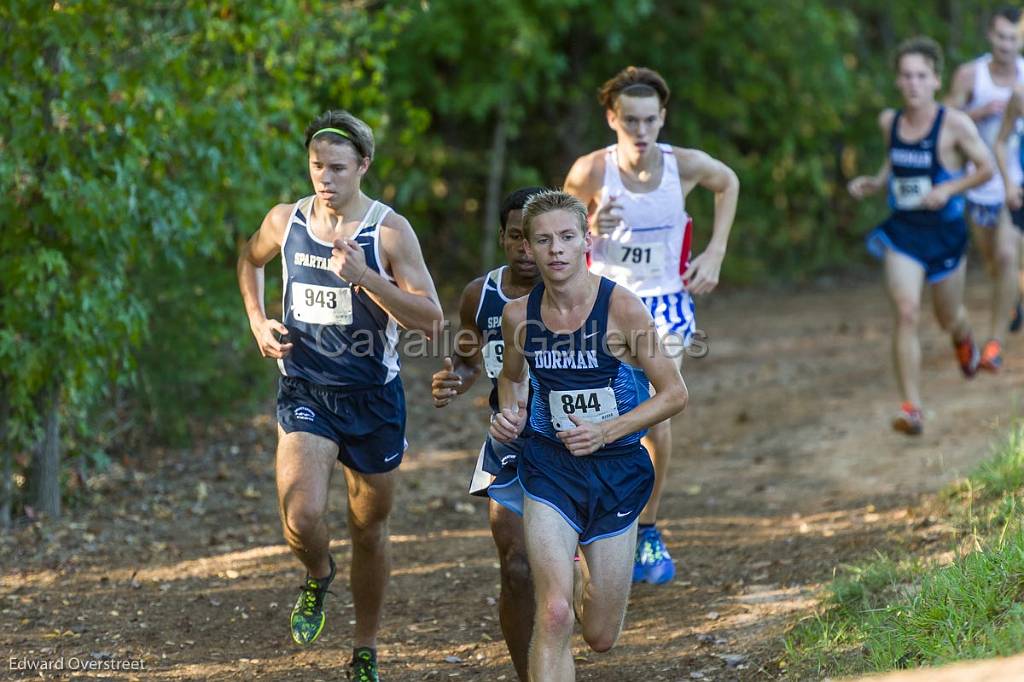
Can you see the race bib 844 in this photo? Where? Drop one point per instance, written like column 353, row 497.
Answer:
column 590, row 404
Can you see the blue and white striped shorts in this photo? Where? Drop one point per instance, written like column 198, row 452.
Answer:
column 673, row 314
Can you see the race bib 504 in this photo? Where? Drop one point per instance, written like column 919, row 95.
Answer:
column 908, row 192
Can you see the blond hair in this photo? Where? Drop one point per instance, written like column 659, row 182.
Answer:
column 553, row 200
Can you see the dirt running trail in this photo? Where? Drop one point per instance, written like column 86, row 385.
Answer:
column 784, row 468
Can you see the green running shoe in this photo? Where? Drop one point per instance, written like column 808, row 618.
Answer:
column 308, row 615
column 363, row 667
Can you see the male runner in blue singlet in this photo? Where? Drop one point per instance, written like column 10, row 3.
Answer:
column 925, row 238
column 583, row 472
column 479, row 345
column 353, row 273
column 636, row 193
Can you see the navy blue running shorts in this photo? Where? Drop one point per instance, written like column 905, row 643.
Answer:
column 938, row 249
column 496, row 464
column 599, row 495
column 368, row 424
column 1017, row 218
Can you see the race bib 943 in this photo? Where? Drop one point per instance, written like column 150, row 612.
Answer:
column 316, row 304
column 590, row 404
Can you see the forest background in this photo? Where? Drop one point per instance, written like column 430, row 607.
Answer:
column 142, row 142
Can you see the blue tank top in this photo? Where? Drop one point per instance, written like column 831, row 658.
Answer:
column 1020, row 144
column 340, row 336
column 916, row 168
column 575, row 373
column 488, row 321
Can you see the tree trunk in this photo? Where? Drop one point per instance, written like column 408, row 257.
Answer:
column 573, row 126
column 6, row 457
column 955, row 18
column 495, row 176
column 46, row 471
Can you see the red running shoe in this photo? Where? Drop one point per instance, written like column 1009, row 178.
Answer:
column 967, row 355
column 910, row 420
column 991, row 356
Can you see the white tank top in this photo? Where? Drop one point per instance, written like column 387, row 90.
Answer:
column 985, row 91
column 649, row 250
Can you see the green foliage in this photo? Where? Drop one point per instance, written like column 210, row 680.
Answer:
column 969, row 609
column 142, row 142
column 1003, row 475
column 787, row 94
column 831, row 641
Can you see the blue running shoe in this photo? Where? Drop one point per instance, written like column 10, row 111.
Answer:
column 652, row 563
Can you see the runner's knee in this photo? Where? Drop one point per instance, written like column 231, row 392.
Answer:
column 602, row 640
column 368, row 533
column 908, row 312
column 300, row 520
column 1005, row 257
column 507, row 530
column 555, row 616
column 368, row 512
column 515, row 572
column 950, row 318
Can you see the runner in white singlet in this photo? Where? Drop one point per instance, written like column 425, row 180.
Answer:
column 649, row 249
column 982, row 88
column 635, row 192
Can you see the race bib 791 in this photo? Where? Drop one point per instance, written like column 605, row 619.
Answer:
column 644, row 261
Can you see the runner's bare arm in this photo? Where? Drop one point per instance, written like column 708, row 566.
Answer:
column 973, row 148
column 460, row 372
column 697, row 168
column 961, row 89
column 1014, row 110
column 867, row 185
column 264, row 244
column 584, row 181
column 961, row 86
column 513, row 382
column 411, row 299
column 631, row 333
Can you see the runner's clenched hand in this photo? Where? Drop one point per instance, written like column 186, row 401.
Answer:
column 270, row 347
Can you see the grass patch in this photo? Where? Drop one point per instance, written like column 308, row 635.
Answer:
column 887, row 613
